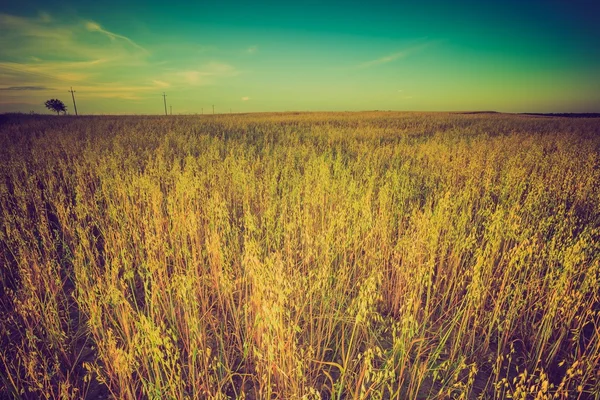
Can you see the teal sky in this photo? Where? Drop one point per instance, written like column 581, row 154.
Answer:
column 120, row 56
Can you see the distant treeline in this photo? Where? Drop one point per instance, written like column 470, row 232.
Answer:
column 567, row 115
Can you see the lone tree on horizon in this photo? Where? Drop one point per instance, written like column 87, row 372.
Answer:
column 56, row 105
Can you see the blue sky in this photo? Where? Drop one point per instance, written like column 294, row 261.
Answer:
column 275, row 56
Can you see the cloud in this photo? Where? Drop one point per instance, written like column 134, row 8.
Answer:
column 51, row 71
column 40, row 53
column 11, row 26
column 51, row 53
column 26, row 88
column 252, row 49
column 245, row 98
column 24, row 40
column 191, row 77
column 95, row 27
column 160, row 83
column 383, row 60
column 394, row 56
column 206, row 74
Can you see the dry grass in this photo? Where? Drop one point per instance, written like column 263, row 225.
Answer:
column 373, row 255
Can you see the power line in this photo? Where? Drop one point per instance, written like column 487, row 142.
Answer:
column 165, row 99
column 73, row 96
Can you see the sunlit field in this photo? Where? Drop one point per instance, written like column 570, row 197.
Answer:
column 354, row 256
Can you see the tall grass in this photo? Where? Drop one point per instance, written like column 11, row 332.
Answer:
column 373, row 255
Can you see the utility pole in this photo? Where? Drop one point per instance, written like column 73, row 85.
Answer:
column 165, row 99
column 230, row 111
column 213, row 109
column 73, row 96
column 171, row 110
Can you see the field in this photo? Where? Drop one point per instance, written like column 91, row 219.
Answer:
column 341, row 255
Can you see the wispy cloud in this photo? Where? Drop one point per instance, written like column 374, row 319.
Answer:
column 116, row 91
column 205, row 74
column 32, row 27
column 40, row 53
column 394, row 56
column 37, row 73
column 252, row 49
column 383, row 60
column 245, row 98
column 95, row 27
column 161, row 84
column 48, row 48
column 26, row 88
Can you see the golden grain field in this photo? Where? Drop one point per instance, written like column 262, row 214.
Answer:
column 289, row 256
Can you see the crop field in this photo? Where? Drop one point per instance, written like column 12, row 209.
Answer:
column 301, row 255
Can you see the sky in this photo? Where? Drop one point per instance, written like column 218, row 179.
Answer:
column 254, row 56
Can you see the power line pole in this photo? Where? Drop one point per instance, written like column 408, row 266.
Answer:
column 165, row 99
column 171, row 110
column 213, row 109
column 73, row 96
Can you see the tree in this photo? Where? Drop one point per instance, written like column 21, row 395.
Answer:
column 56, row 105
